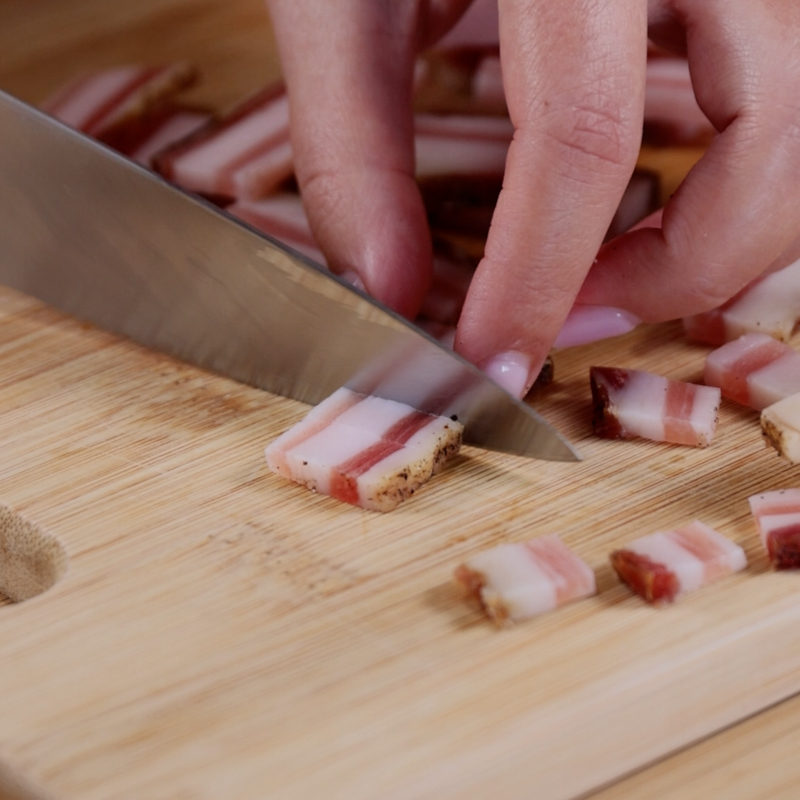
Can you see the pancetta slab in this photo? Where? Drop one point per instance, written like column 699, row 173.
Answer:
column 96, row 102
column 246, row 155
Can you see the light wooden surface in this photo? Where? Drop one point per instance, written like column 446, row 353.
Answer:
column 220, row 633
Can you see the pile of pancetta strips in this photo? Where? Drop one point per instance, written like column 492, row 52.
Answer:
column 375, row 453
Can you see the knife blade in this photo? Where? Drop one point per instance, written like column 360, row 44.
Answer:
column 107, row 241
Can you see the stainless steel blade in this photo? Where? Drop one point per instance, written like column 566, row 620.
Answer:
column 105, row 240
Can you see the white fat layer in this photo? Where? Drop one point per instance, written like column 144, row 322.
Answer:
column 264, row 173
column 199, row 167
column 440, row 155
column 640, row 404
column 731, row 559
column 775, row 381
column 658, row 547
column 311, row 462
column 783, row 418
column 374, row 414
column 705, row 410
column 465, row 126
column 97, row 91
column 774, row 522
column 718, row 362
column 513, row 577
column 579, row 579
column 781, row 501
column 285, row 207
column 772, row 305
column 319, row 416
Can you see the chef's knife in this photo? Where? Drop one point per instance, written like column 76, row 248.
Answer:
column 107, row 241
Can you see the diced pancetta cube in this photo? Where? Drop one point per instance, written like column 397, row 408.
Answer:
column 770, row 304
column 246, row 155
column 777, row 517
column 363, row 450
column 518, row 581
column 754, row 370
column 780, row 424
column 283, row 217
column 630, row 403
column 663, row 565
column 96, row 102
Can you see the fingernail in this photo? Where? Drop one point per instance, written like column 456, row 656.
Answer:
column 586, row 323
column 510, row 370
column 353, row 279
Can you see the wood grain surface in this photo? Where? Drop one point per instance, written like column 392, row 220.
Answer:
column 222, row 633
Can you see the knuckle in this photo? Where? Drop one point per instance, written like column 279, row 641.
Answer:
column 593, row 133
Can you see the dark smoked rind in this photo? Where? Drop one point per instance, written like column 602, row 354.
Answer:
column 783, row 547
column 650, row 580
column 604, row 418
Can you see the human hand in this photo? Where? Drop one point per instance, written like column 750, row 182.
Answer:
column 737, row 214
column 574, row 79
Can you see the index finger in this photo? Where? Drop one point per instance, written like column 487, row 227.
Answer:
column 573, row 72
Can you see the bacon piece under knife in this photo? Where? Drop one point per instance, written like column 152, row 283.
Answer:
column 517, row 581
column 363, row 450
column 777, row 517
column 770, row 304
column 663, row 565
column 246, row 155
column 631, row 403
column 754, row 370
column 96, row 102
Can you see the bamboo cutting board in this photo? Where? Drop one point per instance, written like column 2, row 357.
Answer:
column 221, row 633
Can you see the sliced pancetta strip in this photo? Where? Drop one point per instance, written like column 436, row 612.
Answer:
column 777, row 517
column 283, row 217
column 642, row 197
column 366, row 451
column 780, row 424
column 94, row 103
column 142, row 138
column 487, row 83
column 671, row 113
column 754, row 370
column 663, row 565
column 459, row 145
column 246, row 155
column 518, row 581
column 630, row 403
column 770, row 304
column 452, row 274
